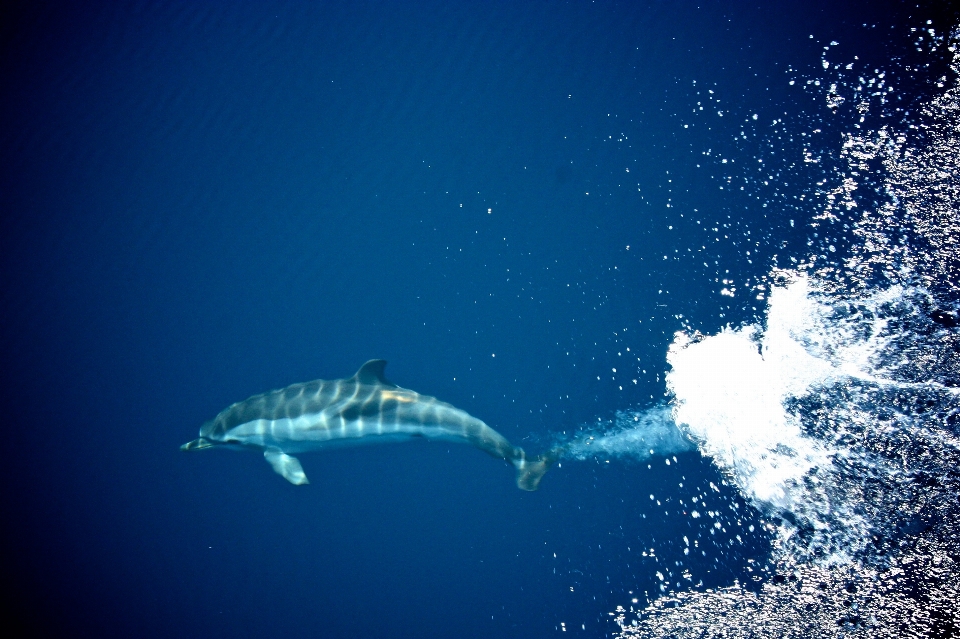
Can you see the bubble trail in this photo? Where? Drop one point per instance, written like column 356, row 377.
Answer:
column 636, row 434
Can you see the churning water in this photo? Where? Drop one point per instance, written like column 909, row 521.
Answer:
column 836, row 416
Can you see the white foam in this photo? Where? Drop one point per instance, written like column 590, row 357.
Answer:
column 730, row 398
column 736, row 395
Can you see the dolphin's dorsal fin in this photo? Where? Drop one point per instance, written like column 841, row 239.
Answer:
column 372, row 373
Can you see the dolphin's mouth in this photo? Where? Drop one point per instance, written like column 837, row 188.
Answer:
column 197, row 444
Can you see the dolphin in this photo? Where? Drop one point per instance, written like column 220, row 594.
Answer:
column 365, row 408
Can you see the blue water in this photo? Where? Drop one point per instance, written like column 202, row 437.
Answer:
column 201, row 202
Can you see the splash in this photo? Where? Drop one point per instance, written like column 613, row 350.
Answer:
column 838, row 416
column 730, row 390
column 747, row 396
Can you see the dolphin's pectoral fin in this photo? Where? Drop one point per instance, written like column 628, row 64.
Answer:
column 286, row 466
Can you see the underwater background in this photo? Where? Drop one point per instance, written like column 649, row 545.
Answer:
column 709, row 247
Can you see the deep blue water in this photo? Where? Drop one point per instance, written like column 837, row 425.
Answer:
column 204, row 202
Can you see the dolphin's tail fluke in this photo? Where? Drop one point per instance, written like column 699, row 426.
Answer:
column 529, row 473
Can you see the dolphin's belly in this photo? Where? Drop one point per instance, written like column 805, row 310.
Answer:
column 315, row 432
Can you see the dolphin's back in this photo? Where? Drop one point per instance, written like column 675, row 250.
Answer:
column 329, row 404
column 291, row 402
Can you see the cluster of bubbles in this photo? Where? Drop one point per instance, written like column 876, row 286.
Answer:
column 633, row 434
column 838, row 415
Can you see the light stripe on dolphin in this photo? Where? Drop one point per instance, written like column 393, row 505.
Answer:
column 365, row 408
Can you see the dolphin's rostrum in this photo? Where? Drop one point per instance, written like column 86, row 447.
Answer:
column 365, row 408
